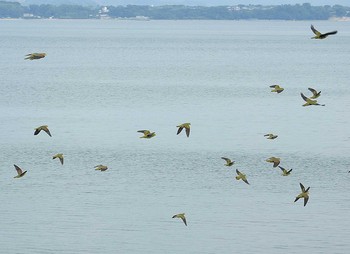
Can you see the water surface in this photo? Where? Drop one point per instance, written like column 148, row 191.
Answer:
column 103, row 80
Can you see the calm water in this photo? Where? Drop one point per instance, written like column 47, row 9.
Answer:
column 103, row 80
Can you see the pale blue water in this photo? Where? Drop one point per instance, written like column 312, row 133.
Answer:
column 103, row 80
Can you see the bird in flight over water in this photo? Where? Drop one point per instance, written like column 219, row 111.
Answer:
column 319, row 35
column 285, row 172
column 309, row 101
column 147, row 134
column 60, row 156
column 229, row 163
column 187, row 128
column 277, row 89
column 270, row 136
column 101, row 167
column 42, row 128
column 315, row 94
column 276, row 161
column 34, row 56
column 304, row 194
column 20, row 172
column 181, row 216
column 241, row 176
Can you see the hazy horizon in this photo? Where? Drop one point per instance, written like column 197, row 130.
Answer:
column 183, row 2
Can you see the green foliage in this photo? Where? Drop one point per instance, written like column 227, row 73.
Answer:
column 11, row 10
column 62, row 11
column 280, row 12
column 128, row 11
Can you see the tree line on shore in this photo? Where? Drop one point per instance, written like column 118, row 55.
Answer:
column 171, row 12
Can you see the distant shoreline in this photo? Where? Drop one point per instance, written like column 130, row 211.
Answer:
column 14, row 10
column 335, row 19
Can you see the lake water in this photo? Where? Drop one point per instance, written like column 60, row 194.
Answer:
column 101, row 81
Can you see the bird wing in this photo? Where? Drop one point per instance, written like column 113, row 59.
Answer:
column 245, row 180
column 29, row 56
column 304, row 97
column 313, row 91
column 330, row 33
column 145, row 132
column 289, row 170
column 19, row 170
column 61, row 159
column 302, row 187
column 188, row 131
column 47, row 131
column 315, row 31
column 283, row 169
column 271, row 159
column 184, row 220
column 305, row 200
column 37, row 131
column 296, row 199
column 276, row 163
column 275, row 86
column 179, row 130
column 226, row 159
column 238, row 173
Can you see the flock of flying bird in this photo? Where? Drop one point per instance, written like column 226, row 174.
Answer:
column 147, row 134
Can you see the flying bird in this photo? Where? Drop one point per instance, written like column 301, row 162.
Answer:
column 181, row 216
column 277, row 89
column 187, row 128
column 276, row 161
column 42, row 128
column 319, row 35
column 241, row 176
column 315, row 94
column 229, row 163
column 34, row 56
column 147, row 134
column 20, row 172
column 285, row 172
column 309, row 101
column 270, row 136
column 101, row 167
column 304, row 194
column 60, row 156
